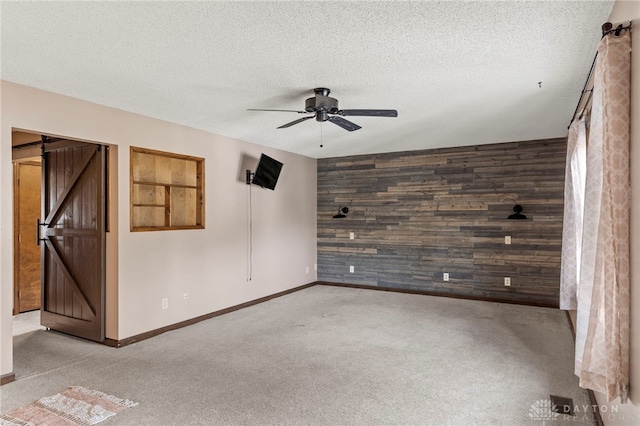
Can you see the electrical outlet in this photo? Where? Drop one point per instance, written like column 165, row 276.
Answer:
column 352, row 235
column 351, row 269
column 315, row 266
column 507, row 281
column 165, row 303
column 445, row 276
column 307, row 269
column 507, row 239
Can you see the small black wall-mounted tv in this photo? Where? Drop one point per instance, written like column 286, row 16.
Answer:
column 267, row 172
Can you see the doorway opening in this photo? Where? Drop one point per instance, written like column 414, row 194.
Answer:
column 27, row 189
column 61, row 220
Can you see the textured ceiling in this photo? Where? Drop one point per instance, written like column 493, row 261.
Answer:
column 459, row 73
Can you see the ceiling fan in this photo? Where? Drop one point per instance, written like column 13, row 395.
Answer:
column 325, row 108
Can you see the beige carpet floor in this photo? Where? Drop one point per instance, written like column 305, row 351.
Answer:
column 26, row 322
column 324, row 356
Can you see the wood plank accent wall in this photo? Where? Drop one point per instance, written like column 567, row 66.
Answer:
column 419, row 214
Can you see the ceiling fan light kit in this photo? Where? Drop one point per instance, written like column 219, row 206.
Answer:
column 325, row 108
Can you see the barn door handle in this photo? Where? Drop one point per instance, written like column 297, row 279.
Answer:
column 38, row 225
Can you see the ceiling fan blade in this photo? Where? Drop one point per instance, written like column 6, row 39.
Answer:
column 345, row 124
column 369, row 112
column 277, row 110
column 300, row 120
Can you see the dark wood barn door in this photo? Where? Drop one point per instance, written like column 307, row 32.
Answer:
column 73, row 238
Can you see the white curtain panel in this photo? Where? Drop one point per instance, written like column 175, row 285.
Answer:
column 602, row 329
column 574, row 187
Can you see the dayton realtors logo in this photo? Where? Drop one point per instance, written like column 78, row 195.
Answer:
column 543, row 410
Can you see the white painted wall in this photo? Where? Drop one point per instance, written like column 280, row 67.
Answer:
column 210, row 264
column 629, row 414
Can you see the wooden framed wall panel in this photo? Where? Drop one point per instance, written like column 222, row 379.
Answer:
column 167, row 191
column 419, row 214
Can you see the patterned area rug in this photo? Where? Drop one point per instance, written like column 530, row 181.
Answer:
column 72, row 407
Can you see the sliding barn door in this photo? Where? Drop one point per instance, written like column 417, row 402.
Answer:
column 72, row 238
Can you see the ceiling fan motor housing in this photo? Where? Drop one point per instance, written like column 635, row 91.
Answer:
column 321, row 103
